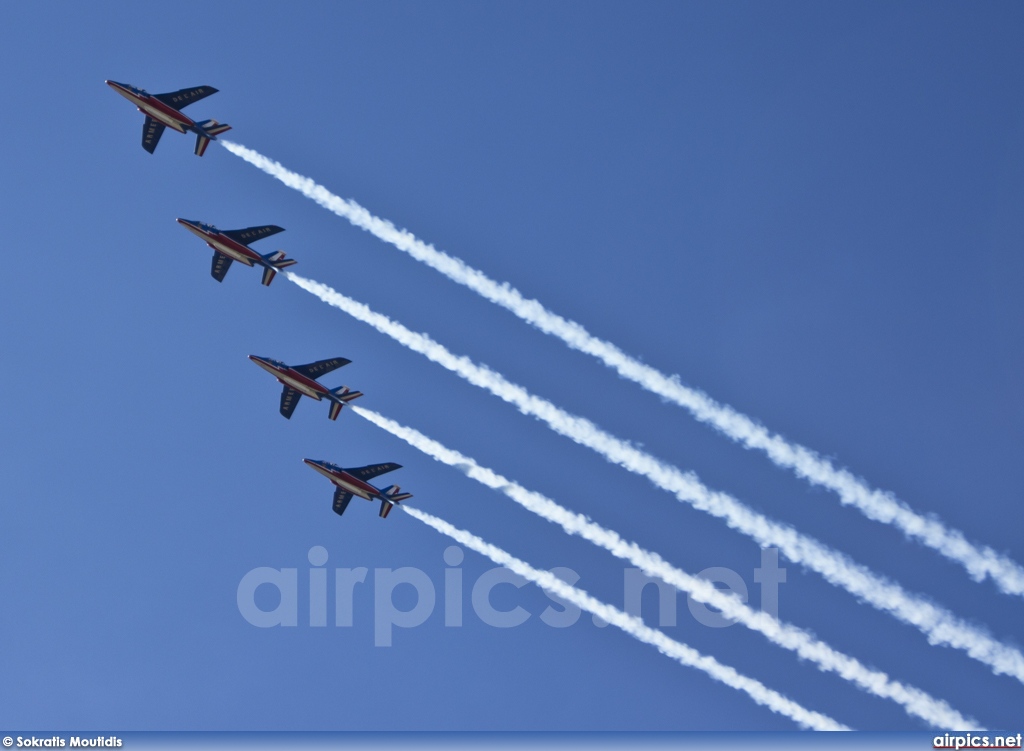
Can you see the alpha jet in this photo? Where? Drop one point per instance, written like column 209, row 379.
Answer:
column 233, row 245
column 300, row 380
column 164, row 110
column 350, row 482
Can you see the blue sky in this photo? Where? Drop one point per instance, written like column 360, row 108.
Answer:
column 812, row 211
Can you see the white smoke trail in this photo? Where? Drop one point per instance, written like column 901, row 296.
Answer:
column 938, row 624
column 980, row 561
column 915, row 701
column 633, row 626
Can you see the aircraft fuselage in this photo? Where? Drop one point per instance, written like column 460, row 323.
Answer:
column 290, row 378
column 224, row 244
column 344, row 480
column 154, row 108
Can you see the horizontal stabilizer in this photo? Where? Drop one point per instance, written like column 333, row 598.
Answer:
column 206, row 132
column 213, row 128
column 385, row 509
column 341, row 397
column 275, row 262
column 341, row 499
column 201, row 143
column 393, row 495
column 343, row 393
column 274, row 257
column 278, row 260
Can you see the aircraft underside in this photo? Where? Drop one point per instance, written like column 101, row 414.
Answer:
column 163, row 118
column 234, row 255
column 302, row 388
column 353, row 490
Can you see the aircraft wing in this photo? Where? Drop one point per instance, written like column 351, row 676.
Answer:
column 372, row 470
column 289, row 398
column 341, row 499
column 252, row 234
column 184, row 97
column 321, row 367
column 221, row 264
column 151, row 132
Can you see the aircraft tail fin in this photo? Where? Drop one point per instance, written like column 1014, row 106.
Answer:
column 342, row 396
column 275, row 262
column 391, row 497
column 208, row 130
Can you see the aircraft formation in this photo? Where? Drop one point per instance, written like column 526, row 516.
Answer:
column 941, row 626
column 164, row 111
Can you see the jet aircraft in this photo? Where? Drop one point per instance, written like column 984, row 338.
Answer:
column 353, row 481
column 300, row 379
column 232, row 245
column 164, row 110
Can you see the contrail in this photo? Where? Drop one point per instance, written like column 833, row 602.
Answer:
column 980, row 561
column 938, row 624
column 633, row 626
column 915, row 701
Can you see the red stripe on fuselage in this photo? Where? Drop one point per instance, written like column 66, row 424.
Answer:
column 248, row 256
column 159, row 111
column 293, row 375
column 294, row 380
column 169, row 111
column 355, row 485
